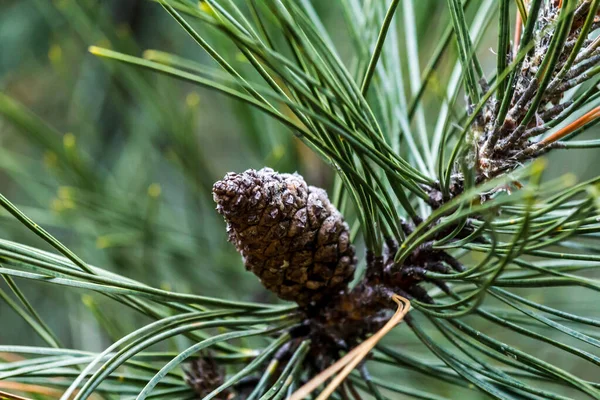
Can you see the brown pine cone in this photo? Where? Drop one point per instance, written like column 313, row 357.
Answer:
column 289, row 234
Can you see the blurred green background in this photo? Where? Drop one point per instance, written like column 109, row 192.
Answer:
column 120, row 163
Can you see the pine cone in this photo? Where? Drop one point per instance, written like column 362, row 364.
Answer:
column 289, row 234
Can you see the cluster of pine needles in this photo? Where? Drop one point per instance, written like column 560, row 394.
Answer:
column 465, row 176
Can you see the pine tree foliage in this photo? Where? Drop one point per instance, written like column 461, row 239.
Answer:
column 452, row 207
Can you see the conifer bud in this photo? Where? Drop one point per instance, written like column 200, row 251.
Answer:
column 289, row 233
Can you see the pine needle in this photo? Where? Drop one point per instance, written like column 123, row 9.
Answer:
column 32, row 389
column 578, row 123
column 10, row 396
column 518, row 31
column 353, row 358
